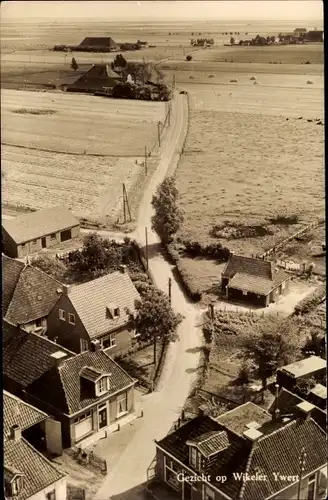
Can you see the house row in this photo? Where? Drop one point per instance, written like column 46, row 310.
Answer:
column 85, row 395
column 32, row 232
column 73, row 316
column 28, row 474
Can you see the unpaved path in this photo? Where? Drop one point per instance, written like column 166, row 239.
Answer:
column 164, row 406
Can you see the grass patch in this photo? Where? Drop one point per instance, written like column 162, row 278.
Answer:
column 141, row 365
column 24, row 111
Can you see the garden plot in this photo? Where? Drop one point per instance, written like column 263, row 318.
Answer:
column 79, row 123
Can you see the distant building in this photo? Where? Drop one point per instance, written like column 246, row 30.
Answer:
column 313, row 366
column 87, row 395
column 28, row 475
column 100, row 43
column 34, row 231
column 314, row 36
column 253, row 280
column 28, row 294
column 100, row 77
column 97, row 310
column 300, row 31
column 245, row 454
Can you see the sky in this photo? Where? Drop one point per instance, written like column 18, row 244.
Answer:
column 234, row 10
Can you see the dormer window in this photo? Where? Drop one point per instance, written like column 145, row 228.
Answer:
column 93, row 380
column 16, row 485
column 113, row 311
column 116, row 312
column 13, row 481
column 102, row 386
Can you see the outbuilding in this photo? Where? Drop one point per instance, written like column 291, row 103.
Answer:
column 34, row 231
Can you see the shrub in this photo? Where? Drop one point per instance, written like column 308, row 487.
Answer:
column 193, row 292
column 188, row 58
column 212, row 250
column 310, row 302
column 172, row 253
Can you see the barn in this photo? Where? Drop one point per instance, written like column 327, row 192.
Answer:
column 97, row 43
column 98, row 78
column 251, row 280
column 34, row 231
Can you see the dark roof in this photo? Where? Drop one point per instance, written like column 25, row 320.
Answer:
column 26, row 356
column 11, row 269
column 280, row 444
column 97, row 41
column 17, row 412
column 35, row 295
column 99, row 76
column 61, row 385
column 38, row 472
column 286, row 403
column 34, row 225
column 211, row 442
column 90, row 301
column 253, row 275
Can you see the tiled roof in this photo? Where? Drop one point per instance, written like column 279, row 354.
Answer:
column 26, row 356
column 35, row 295
column 252, row 275
column 91, row 373
column 34, row 225
column 237, row 419
column 211, row 442
column 304, row 366
column 65, row 380
column 278, row 450
column 39, row 473
column 17, row 412
column 11, row 269
column 91, row 300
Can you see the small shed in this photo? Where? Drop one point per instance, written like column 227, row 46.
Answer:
column 34, row 231
column 288, row 376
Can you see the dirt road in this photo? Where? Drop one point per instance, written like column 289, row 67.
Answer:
column 162, row 407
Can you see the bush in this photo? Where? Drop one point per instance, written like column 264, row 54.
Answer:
column 310, row 302
column 188, row 58
column 213, row 250
column 172, row 253
column 193, row 292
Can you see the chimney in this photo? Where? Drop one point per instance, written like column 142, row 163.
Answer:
column 276, row 411
column 304, row 410
column 252, row 435
column 58, row 357
column 122, row 268
column 95, row 345
column 65, row 289
column 15, row 432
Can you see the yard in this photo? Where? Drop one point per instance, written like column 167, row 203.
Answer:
column 68, row 149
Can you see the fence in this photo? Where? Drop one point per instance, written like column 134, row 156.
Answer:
column 88, row 458
column 289, row 265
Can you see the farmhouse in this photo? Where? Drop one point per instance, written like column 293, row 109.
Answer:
column 253, row 280
column 29, row 295
column 313, row 366
column 86, row 394
column 97, row 310
column 237, row 456
column 100, row 77
column 28, row 475
column 99, row 43
column 34, row 231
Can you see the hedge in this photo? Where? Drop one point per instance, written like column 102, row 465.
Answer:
column 213, row 250
column 310, row 302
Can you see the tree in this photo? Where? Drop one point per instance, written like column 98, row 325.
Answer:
column 188, row 58
column 74, row 64
column 50, row 265
column 120, row 61
column 168, row 215
column 304, row 386
column 315, row 346
column 271, row 346
column 232, row 41
column 155, row 318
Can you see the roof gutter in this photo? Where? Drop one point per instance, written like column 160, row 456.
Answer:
column 190, row 470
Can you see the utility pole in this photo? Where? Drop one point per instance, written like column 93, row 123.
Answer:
column 159, row 133
column 302, row 467
column 173, row 83
column 146, row 237
column 146, row 168
column 170, row 288
column 124, row 209
column 126, row 205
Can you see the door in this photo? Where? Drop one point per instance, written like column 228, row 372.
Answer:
column 53, row 436
column 43, row 242
column 102, row 417
column 187, row 495
column 66, row 235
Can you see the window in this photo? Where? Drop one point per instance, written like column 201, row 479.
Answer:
column 109, row 341
column 53, row 236
column 16, row 485
column 208, row 493
column 62, row 315
column 122, row 404
column 195, row 458
column 38, row 323
column 71, row 318
column 102, row 385
column 244, row 292
column 116, row 312
column 51, row 495
column 84, row 345
column 170, row 474
column 82, row 417
column 311, row 487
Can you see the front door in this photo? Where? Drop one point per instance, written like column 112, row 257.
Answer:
column 43, row 242
column 187, row 495
column 102, row 417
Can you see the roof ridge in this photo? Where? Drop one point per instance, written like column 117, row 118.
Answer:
column 60, row 347
column 42, row 272
column 58, row 369
column 12, row 396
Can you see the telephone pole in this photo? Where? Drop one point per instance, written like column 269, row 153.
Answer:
column 170, row 288
column 146, row 168
column 173, row 83
column 159, row 133
column 302, row 468
column 146, row 236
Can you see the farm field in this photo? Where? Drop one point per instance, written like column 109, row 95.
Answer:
column 77, row 123
column 70, row 151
